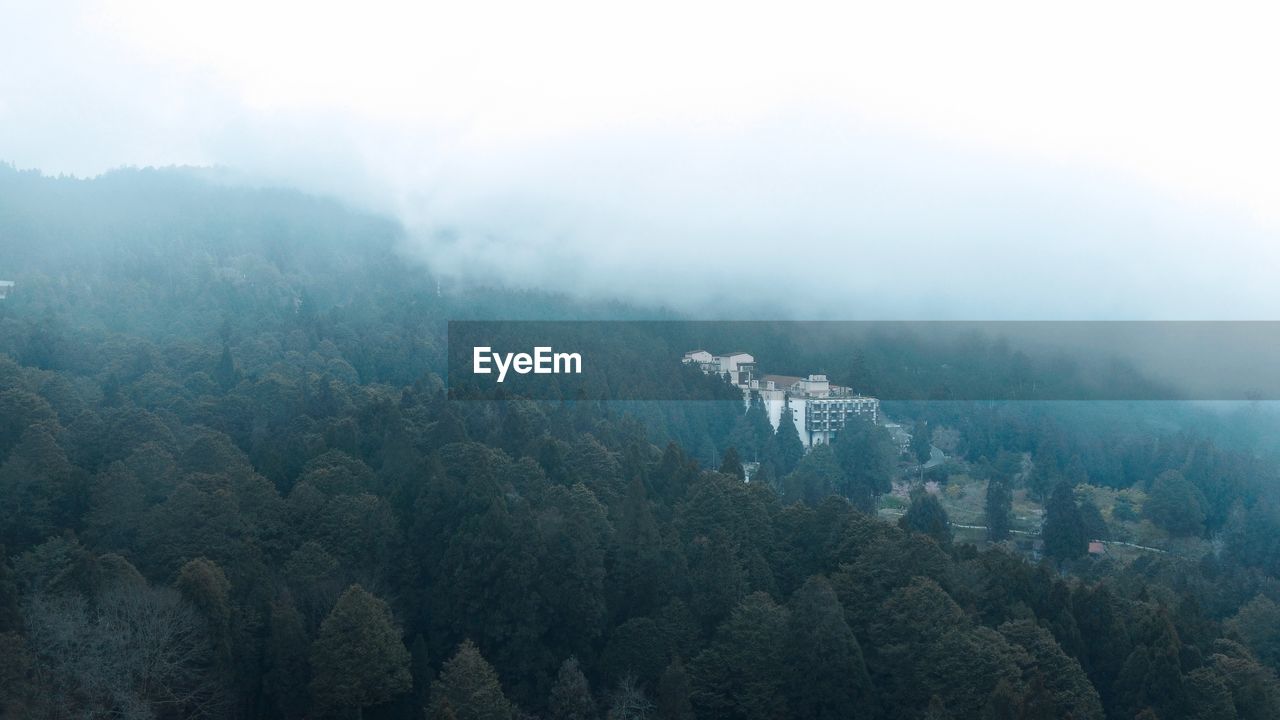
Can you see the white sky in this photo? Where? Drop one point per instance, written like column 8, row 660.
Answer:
column 1081, row 160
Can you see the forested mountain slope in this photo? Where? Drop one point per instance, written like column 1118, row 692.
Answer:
column 231, row 486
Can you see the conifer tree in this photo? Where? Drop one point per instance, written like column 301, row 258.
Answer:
column 921, row 447
column 866, row 456
column 225, row 374
column 999, row 508
column 358, row 658
column 742, row 673
column 468, row 688
column 731, row 464
column 790, row 449
column 827, row 675
column 1063, row 532
column 571, row 695
column 673, row 692
column 814, row 478
column 287, row 669
column 927, row 516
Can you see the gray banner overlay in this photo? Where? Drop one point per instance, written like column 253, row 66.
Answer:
column 981, row 360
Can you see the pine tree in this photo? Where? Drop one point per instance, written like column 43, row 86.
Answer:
column 866, row 456
column 927, row 516
column 731, row 464
column 10, row 620
column 790, row 448
column 225, row 374
column 636, row 560
column 1003, row 703
column 828, row 678
column 921, row 447
column 571, row 695
column 287, row 669
column 936, row 710
column 358, row 659
column 1175, row 505
column 999, row 509
column 420, row 669
column 1063, row 531
column 814, row 478
column 468, row 688
column 673, row 693
column 742, row 672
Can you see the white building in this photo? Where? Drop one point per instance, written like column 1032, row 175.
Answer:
column 818, row 408
column 737, row 367
column 5, row 287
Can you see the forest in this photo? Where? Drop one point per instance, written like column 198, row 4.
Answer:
column 233, row 485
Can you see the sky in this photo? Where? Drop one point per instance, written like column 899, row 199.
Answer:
column 913, row 160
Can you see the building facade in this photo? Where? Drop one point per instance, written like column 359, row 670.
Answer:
column 818, row 409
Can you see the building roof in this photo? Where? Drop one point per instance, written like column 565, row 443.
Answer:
column 735, row 353
column 783, row 380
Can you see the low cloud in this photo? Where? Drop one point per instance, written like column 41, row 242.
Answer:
column 746, row 203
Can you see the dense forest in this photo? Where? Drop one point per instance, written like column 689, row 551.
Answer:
column 232, row 485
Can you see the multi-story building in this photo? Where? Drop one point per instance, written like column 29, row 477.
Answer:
column 819, row 409
column 736, row 367
column 6, row 286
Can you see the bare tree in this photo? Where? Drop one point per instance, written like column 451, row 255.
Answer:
column 629, row 701
column 138, row 652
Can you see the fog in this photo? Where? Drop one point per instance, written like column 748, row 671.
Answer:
column 727, row 161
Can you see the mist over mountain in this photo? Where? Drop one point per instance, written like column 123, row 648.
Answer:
column 804, row 170
column 225, row 442
column 256, row 254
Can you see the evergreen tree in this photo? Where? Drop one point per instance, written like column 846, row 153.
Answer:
column 1045, row 475
column 9, row 617
column 866, row 456
column 921, row 447
column 225, row 374
column 420, row 669
column 1003, row 703
column 936, row 710
column 637, row 562
column 287, row 671
column 1175, row 505
column 814, row 478
column 1208, row 696
column 1063, row 531
column 1057, row 682
column 468, row 689
column 827, row 675
column 358, row 658
column 1257, row 624
column 1152, row 675
column 571, row 695
column 731, row 464
column 999, row 509
column 787, row 439
column 1095, row 526
column 673, row 693
column 716, row 581
column 927, row 516
column 741, row 674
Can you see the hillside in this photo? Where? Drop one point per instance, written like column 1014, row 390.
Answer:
column 233, row 487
